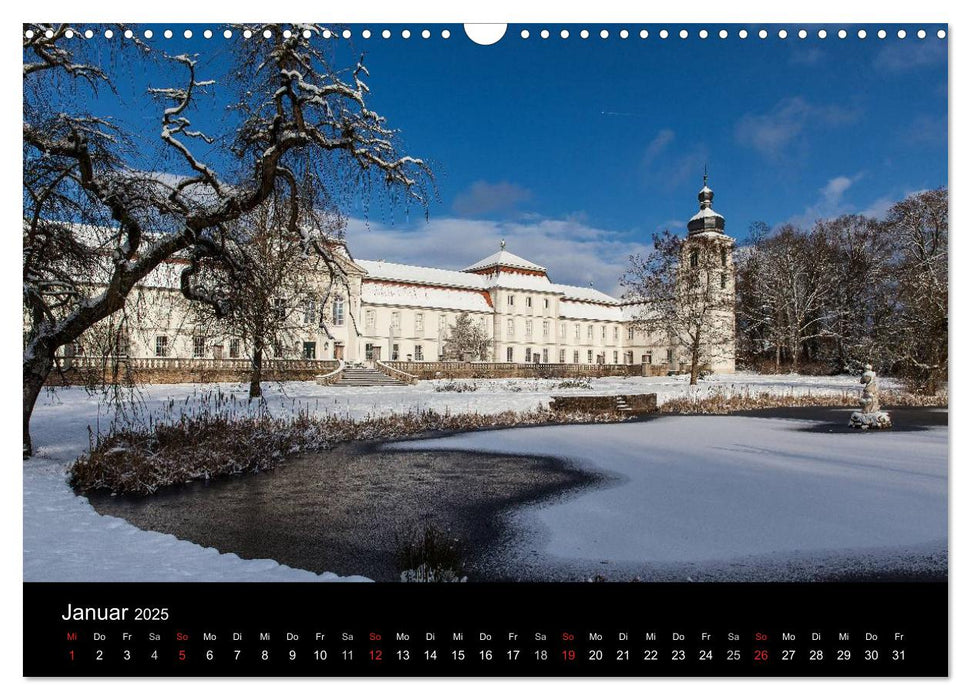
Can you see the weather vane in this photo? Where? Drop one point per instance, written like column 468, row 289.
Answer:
column 706, row 174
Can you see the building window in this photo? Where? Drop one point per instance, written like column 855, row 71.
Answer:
column 724, row 257
column 442, row 321
column 562, row 356
column 670, row 355
column 511, row 300
column 589, row 357
column 563, row 330
column 589, row 332
column 529, row 354
column 694, row 257
column 529, row 302
column 629, row 355
column 630, row 333
column 280, row 309
column 161, row 346
column 510, row 328
column 546, row 329
column 394, row 351
column 419, row 323
column 234, row 348
column 369, row 318
column 649, row 358
column 338, row 310
column 576, row 330
column 546, row 356
column 603, row 332
column 419, row 353
column 309, row 310
column 546, row 303
column 508, row 354
column 615, row 357
column 616, row 333
column 724, row 280
column 368, row 351
column 198, row 346
column 529, row 328
column 396, row 320
column 576, row 357
column 310, row 351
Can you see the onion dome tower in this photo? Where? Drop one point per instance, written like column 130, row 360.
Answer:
column 707, row 219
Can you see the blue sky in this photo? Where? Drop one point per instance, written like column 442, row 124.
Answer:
column 576, row 150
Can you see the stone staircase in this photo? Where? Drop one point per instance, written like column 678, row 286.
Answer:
column 366, row 376
column 623, row 407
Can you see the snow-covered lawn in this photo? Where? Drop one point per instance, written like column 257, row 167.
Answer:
column 65, row 539
column 715, row 488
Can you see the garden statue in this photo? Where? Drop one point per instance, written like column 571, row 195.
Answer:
column 870, row 416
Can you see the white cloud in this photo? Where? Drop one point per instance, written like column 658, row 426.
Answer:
column 902, row 56
column 657, row 145
column 670, row 167
column 573, row 252
column 831, row 201
column 835, row 189
column 775, row 132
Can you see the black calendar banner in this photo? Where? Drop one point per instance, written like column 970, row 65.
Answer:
column 485, row 629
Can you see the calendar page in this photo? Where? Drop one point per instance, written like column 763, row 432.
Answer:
column 485, row 350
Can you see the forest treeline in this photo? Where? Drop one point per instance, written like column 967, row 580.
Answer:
column 848, row 291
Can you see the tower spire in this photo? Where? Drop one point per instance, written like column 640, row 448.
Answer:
column 707, row 219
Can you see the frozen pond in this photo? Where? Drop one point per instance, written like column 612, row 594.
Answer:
column 781, row 495
column 737, row 497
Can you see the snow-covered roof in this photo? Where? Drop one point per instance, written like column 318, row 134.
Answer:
column 587, row 311
column 373, row 292
column 586, row 294
column 396, row 272
column 505, row 259
column 706, row 213
column 635, row 310
column 530, row 283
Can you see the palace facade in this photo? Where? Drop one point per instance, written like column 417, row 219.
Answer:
column 392, row 311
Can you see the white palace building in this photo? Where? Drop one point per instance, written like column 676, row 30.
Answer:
column 392, row 311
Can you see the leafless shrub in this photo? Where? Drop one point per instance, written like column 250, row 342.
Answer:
column 430, row 555
column 722, row 401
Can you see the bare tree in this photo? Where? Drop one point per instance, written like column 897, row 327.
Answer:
column 918, row 226
column 466, row 340
column 758, row 309
column 95, row 224
column 279, row 291
column 854, row 291
column 685, row 290
column 859, row 306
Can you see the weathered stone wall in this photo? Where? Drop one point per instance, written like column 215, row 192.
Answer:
column 638, row 403
column 92, row 371
column 512, row 370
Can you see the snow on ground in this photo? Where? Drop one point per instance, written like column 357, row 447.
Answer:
column 714, row 488
column 65, row 539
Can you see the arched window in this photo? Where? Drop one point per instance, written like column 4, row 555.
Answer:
column 338, row 310
column 694, row 257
